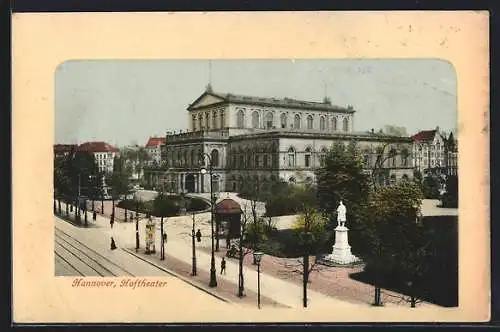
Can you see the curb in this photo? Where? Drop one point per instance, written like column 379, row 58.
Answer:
column 178, row 276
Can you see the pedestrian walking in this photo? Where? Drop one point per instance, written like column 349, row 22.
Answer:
column 94, row 215
column 228, row 241
column 223, row 266
column 198, row 236
column 113, row 244
column 112, row 220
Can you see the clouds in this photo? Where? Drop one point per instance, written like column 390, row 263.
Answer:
column 122, row 101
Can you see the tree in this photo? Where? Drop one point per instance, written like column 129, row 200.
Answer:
column 395, row 242
column 118, row 181
column 431, row 186
column 250, row 236
column 343, row 178
column 450, row 198
column 310, row 228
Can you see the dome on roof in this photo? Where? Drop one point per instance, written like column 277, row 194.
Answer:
column 227, row 206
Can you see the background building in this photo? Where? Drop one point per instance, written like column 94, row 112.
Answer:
column 433, row 152
column 103, row 152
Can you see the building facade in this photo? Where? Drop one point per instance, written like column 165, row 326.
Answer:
column 104, row 154
column 153, row 149
column 253, row 141
column 433, row 152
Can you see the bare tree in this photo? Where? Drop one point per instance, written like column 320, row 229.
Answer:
column 242, row 251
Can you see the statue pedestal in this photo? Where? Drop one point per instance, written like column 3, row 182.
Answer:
column 341, row 254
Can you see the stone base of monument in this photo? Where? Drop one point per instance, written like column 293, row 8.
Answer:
column 341, row 255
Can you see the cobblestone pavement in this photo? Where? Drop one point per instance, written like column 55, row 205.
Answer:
column 331, row 281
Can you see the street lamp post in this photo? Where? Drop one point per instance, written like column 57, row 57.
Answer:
column 55, row 205
column 257, row 256
column 137, row 227
column 213, row 275
column 85, row 212
column 193, row 272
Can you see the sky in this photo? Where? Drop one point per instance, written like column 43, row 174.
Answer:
column 125, row 102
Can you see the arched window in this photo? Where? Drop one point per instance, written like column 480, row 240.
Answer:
column 322, row 123
column 283, row 120
column 322, row 157
column 214, row 120
column 334, row 124
column 309, row 122
column 200, row 121
column 184, row 158
column 346, row 125
column 240, row 119
column 193, row 158
column 366, row 158
column 179, row 158
column 291, row 157
column 269, row 120
column 194, row 122
column 214, row 155
column 307, row 157
column 255, row 119
column 222, row 120
column 207, row 120
column 296, row 121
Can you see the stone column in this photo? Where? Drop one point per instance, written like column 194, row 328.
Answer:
column 195, row 182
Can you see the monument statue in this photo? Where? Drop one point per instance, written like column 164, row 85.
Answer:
column 341, row 252
column 341, row 214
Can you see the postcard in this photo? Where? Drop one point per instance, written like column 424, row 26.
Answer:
column 250, row 167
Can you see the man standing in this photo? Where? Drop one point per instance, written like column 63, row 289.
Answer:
column 223, row 266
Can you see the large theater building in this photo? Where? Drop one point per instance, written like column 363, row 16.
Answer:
column 257, row 141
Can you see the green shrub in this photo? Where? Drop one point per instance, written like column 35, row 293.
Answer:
column 430, row 187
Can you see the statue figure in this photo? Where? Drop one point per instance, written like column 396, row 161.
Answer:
column 341, row 214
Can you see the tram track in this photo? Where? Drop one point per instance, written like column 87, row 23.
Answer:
column 84, row 260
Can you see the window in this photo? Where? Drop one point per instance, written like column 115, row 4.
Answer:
column 214, row 155
column 366, row 159
column 193, row 157
column 214, row 120
column 257, row 161
column 334, row 124
column 242, row 161
column 309, row 122
column 322, row 123
column 346, row 125
column 240, row 119
column 307, row 158
column 200, row 120
column 291, row 157
column 269, row 120
column 296, row 121
column 194, row 122
column 322, row 157
column 265, row 161
column 283, row 120
column 255, row 119
column 222, row 119
column 207, row 120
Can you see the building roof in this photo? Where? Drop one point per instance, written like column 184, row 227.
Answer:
column 425, row 135
column 227, row 206
column 273, row 102
column 62, row 148
column 97, row 147
column 155, row 141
